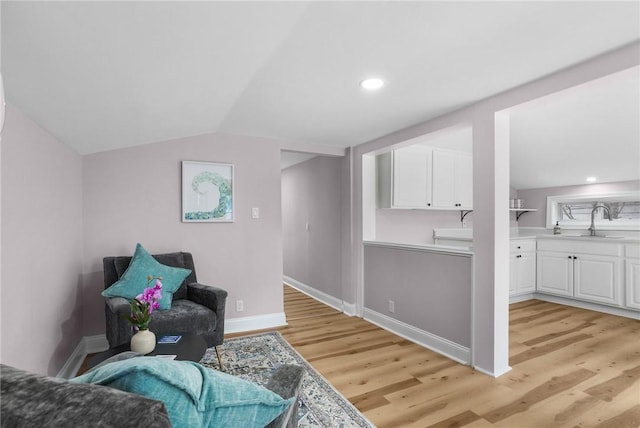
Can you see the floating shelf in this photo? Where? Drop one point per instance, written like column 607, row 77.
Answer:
column 520, row 211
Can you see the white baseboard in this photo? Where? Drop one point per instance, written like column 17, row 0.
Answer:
column 96, row 343
column 327, row 299
column 257, row 322
column 586, row 305
column 87, row 345
column 495, row 374
column 350, row 309
column 521, row 298
column 436, row 343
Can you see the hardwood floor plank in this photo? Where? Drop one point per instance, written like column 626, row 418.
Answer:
column 458, row 420
column 538, row 351
column 608, row 390
column 375, row 398
column 628, row 419
column 542, row 392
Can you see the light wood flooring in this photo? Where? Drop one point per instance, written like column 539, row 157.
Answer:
column 571, row 368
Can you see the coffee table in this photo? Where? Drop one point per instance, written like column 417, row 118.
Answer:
column 191, row 347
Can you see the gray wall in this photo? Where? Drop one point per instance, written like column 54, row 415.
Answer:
column 62, row 213
column 134, row 195
column 312, row 193
column 431, row 291
column 42, row 299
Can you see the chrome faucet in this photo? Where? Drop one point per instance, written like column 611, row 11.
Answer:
column 592, row 228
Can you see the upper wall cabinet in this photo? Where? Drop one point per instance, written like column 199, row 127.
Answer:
column 422, row 177
column 452, row 179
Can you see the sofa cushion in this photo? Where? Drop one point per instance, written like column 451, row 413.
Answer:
column 32, row 400
column 134, row 280
column 185, row 316
column 193, row 395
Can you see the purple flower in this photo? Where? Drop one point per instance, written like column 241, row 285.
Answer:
column 145, row 303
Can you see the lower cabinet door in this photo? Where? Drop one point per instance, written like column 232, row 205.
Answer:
column 632, row 282
column 555, row 273
column 598, row 279
column 526, row 282
column 513, row 274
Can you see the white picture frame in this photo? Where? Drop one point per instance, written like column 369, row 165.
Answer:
column 207, row 192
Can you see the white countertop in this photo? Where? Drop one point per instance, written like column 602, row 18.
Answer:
column 607, row 238
column 448, row 249
column 466, row 235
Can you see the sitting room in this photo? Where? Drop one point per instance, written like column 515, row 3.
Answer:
column 219, row 151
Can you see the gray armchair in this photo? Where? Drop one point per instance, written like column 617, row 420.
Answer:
column 196, row 308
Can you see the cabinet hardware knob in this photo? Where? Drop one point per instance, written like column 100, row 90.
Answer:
column 569, row 256
column 518, row 248
column 428, row 205
column 574, row 257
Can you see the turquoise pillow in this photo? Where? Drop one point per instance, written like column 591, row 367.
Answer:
column 134, row 280
column 194, row 396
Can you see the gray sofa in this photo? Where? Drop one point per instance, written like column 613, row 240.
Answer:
column 32, row 400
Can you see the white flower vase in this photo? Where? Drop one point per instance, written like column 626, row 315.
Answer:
column 143, row 342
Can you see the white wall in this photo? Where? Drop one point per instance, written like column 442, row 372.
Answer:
column 41, row 247
column 415, row 226
column 134, row 195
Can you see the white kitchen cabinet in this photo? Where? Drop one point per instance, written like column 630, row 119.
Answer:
column 421, row 177
column 522, row 267
column 411, row 177
column 597, row 278
column 632, row 276
column 452, row 179
column 555, row 273
column 464, row 180
column 581, row 269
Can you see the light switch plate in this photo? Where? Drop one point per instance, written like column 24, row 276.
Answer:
column 255, row 212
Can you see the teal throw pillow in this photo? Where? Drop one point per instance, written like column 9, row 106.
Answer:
column 194, row 396
column 134, row 279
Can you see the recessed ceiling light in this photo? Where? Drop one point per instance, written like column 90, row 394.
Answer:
column 372, row 84
column 591, row 179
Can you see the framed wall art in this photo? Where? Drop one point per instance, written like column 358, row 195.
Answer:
column 207, row 192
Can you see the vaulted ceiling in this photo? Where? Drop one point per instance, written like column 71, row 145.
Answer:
column 107, row 75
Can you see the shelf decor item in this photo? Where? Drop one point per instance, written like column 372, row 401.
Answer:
column 207, row 192
column 144, row 341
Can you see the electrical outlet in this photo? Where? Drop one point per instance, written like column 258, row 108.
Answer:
column 392, row 306
column 239, row 306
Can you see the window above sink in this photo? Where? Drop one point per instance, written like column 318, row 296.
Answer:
column 574, row 211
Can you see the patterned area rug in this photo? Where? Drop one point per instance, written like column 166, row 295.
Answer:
column 255, row 357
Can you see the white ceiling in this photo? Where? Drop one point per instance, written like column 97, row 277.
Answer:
column 592, row 130
column 107, row 75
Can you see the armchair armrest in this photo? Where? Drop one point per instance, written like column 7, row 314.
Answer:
column 286, row 381
column 118, row 305
column 213, row 298
column 118, row 331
